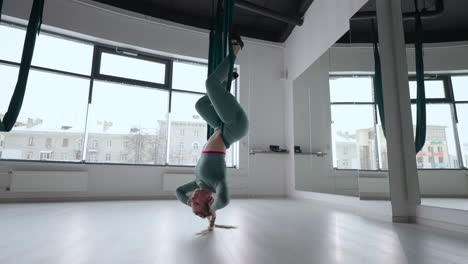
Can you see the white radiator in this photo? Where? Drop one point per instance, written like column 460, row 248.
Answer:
column 171, row 181
column 49, row 181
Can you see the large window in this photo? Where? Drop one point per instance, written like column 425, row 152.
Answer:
column 353, row 130
column 460, row 92
column 87, row 103
column 358, row 140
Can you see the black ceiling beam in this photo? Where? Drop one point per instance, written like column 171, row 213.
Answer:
column 268, row 13
column 406, row 16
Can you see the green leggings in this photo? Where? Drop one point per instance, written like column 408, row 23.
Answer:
column 220, row 108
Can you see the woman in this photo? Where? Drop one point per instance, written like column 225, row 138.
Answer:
column 221, row 111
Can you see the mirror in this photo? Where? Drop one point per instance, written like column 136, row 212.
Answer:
column 335, row 114
column 336, row 126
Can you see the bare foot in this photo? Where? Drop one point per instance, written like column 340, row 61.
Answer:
column 237, row 48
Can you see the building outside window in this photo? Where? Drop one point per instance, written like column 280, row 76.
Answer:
column 45, row 155
column 145, row 128
column 92, row 157
column 356, row 125
column 48, row 143
column 108, row 157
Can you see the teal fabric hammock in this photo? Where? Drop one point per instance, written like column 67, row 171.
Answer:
column 221, row 25
column 420, row 137
column 378, row 85
column 1, row 8
column 34, row 25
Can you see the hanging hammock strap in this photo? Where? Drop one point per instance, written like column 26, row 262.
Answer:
column 219, row 41
column 1, row 9
column 420, row 137
column 34, row 25
column 378, row 85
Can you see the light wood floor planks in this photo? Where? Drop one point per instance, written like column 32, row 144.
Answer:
column 270, row 231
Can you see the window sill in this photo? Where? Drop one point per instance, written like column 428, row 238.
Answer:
column 386, row 171
column 100, row 163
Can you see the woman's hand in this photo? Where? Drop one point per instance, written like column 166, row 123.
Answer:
column 212, row 220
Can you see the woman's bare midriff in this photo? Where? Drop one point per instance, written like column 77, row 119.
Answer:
column 215, row 143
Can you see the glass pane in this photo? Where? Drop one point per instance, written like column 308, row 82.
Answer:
column 189, row 76
column 12, row 43
column 433, row 88
column 439, row 150
column 462, row 111
column 123, row 130
column 383, row 159
column 351, row 89
column 132, row 68
column 460, row 88
column 353, row 136
column 187, row 130
column 52, row 120
column 61, row 54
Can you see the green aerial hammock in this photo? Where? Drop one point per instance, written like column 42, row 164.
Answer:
column 378, row 86
column 34, row 25
column 421, row 94
column 420, row 137
column 221, row 25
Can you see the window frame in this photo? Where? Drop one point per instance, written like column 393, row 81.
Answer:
column 449, row 99
column 375, row 117
column 95, row 75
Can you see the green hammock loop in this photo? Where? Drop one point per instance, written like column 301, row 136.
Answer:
column 219, row 41
column 1, row 9
column 420, row 137
column 378, row 87
column 34, row 25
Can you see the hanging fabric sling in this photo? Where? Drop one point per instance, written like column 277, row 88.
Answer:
column 420, row 137
column 378, row 86
column 34, row 25
column 1, row 7
column 221, row 24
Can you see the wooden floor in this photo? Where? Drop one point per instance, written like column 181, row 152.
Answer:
column 271, row 231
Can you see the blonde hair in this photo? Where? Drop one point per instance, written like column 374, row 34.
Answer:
column 212, row 225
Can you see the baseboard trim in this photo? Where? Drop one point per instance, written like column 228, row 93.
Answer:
column 83, row 199
column 403, row 219
column 120, row 198
column 445, row 196
column 441, row 225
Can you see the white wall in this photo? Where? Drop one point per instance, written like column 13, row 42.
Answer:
column 324, row 23
column 440, row 58
column 261, row 95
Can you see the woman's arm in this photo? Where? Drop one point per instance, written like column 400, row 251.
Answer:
column 182, row 191
column 222, row 198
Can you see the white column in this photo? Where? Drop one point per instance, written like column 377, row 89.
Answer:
column 403, row 176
